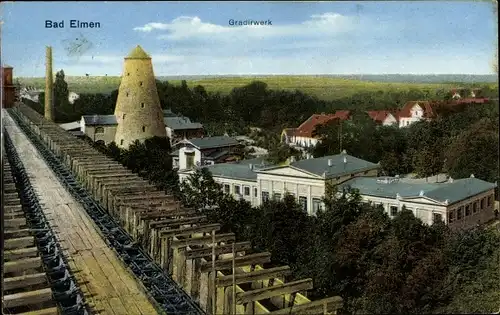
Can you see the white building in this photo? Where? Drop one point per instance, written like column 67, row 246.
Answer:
column 383, row 117
column 415, row 111
column 256, row 181
column 72, row 97
column 459, row 203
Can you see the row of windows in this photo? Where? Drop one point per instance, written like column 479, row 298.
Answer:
column 237, row 190
column 393, row 211
column 317, row 203
column 471, row 208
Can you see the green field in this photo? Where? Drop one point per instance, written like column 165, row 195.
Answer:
column 326, row 88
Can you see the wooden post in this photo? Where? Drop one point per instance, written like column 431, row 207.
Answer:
column 234, row 280
column 214, row 288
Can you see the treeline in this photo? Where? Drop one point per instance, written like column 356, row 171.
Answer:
column 352, row 249
column 459, row 142
column 251, row 105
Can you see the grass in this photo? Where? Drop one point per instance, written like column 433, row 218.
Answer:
column 325, row 88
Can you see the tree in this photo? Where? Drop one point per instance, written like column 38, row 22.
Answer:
column 201, row 191
column 61, row 93
column 475, row 151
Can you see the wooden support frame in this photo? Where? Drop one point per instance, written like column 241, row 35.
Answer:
column 247, row 260
column 24, row 281
column 224, row 237
column 22, row 265
column 256, row 275
column 190, row 230
column 275, row 290
column 221, row 249
column 21, row 242
column 20, row 253
column 175, row 222
column 330, row 304
column 27, row 298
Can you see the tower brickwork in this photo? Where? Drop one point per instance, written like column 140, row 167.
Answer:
column 138, row 111
column 49, row 85
column 8, row 87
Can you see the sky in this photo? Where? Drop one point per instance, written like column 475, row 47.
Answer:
column 196, row 38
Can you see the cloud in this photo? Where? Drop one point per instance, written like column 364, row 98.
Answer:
column 186, row 28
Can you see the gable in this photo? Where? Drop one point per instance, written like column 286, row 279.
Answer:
column 422, row 200
column 416, row 108
column 288, row 171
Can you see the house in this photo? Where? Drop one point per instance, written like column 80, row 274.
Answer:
column 99, row 128
column 72, row 97
column 383, row 117
column 461, row 203
column 205, row 151
column 415, row 111
column 179, row 127
column 302, row 136
column 73, row 127
column 306, row 180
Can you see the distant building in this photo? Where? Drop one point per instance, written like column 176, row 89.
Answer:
column 191, row 153
column 180, row 127
column 302, row 136
column 383, row 117
column 415, row 111
column 461, row 203
column 9, row 89
column 72, row 97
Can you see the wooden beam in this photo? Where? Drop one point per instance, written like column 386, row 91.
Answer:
column 24, row 281
column 223, row 249
column 247, row 260
column 14, row 254
column 197, row 241
column 22, row 265
column 27, row 298
column 14, row 223
column 190, row 230
column 315, row 307
column 263, row 274
column 275, row 290
column 21, row 242
column 16, row 233
column 178, row 221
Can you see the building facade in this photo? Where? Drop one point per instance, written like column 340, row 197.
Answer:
column 256, row 181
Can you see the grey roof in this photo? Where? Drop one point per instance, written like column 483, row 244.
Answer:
column 180, row 123
column 243, row 170
column 71, row 125
column 168, row 113
column 91, row 120
column 213, row 142
column 320, row 166
column 452, row 191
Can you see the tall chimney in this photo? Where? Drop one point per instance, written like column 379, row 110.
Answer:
column 49, row 90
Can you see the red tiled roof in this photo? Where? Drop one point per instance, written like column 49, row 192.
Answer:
column 307, row 128
column 471, row 100
column 379, row 115
column 425, row 105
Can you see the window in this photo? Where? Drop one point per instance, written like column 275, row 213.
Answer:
column 277, row 196
column 143, row 129
column 128, row 73
column 140, row 83
column 460, row 213
column 394, row 210
column 99, row 130
column 490, row 200
column 142, row 105
column 265, row 196
column 482, row 204
column 121, row 141
column 237, row 189
column 303, row 203
column 437, row 217
column 227, row 188
column 365, row 172
column 255, row 191
column 467, row 210
column 100, row 142
column 352, row 175
column 293, row 195
column 123, row 117
column 246, row 191
column 317, row 205
column 451, row 216
column 474, row 207
column 126, row 93
column 189, row 160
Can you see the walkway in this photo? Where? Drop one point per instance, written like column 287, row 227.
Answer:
column 108, row 287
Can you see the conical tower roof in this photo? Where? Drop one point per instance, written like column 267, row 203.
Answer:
column 138, row 53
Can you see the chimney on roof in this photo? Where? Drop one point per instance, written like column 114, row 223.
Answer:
column 450, row 180
column 344, row 152
column 398, row 196
column 421, row 193
column 345, row 160
column 471, row 175
column 330, row 162
column 446, row 201
column 250, row 166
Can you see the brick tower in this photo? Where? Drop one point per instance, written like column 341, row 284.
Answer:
column 8, row 87
column 138, row 111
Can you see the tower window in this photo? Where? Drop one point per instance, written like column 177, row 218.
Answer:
column 140, row 83
column 143, row 129
column 142, row 105
column 121, row 141
column 126, row 93
column 123, row 116
column 128, row 73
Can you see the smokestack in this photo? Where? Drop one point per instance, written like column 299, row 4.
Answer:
column 330, row 162
column 49, row 90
